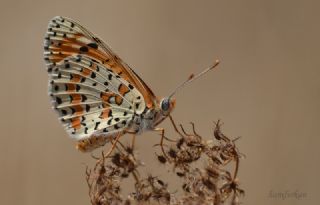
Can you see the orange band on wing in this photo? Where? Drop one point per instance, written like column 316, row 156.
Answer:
column 78, row 109
column 105, row 114
column 76, row 123
column 70, row 87
column 75, row 78
column 123, row 89
column 76, row 98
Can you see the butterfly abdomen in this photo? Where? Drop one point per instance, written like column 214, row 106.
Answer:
column 87, row 145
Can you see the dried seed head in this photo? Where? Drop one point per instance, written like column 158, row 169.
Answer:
column 127, row 202
column 162, row 159
column 180, row 174
column 116, row 159
column 160, row 182
column 129, row 150
column 179, row 143
column 172, row 153
column 125, row 175
column 212, row 172
column 186, row 187
column 210, row 184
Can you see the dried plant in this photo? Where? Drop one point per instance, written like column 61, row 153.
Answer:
column 214, row 183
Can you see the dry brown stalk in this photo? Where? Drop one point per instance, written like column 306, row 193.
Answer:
column 214, row 183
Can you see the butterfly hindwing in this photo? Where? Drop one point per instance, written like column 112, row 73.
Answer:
column 90, row 98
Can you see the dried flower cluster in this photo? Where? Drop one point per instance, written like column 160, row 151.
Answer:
column 213, row 183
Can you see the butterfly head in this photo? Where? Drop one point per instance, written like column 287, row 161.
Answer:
column 166, row 105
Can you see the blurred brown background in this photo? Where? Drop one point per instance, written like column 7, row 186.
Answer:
column 267, row 89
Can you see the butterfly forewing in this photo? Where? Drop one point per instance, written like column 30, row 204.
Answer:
column 93, row 91
column 66, row 37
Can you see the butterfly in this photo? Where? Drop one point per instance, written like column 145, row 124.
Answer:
column 97, row 95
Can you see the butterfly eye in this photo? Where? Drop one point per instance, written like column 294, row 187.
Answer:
column 165, row 104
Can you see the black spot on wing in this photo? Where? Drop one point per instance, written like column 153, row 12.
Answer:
column 87, row 107
column 84, row 49
column 83, row 98
column 93, row 45
column 78, row 88
column 93, row 60
column 78, row 58
column 96, row 126
column 59, row 101
column 64, row 112
column 130, row 86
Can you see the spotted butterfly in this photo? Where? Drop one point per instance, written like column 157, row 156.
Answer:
column 96, row 95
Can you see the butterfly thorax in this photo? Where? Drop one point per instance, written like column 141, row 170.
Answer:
column 150, row 118
column 145, row 121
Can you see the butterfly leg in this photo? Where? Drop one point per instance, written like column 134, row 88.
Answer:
column 175, row 126
column 133, row 141
column 113, row 145
column 133, row 133
column 161, row 140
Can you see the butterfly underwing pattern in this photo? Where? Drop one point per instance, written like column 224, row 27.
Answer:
column 97, row 96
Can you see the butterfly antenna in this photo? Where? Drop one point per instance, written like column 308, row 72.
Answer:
column 192, row 77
